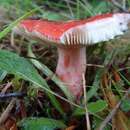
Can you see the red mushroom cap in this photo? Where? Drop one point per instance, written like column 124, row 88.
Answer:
column 89, row 31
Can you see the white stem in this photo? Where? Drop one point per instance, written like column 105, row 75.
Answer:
column 71, row 65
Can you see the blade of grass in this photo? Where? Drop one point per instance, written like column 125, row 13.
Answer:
column 125, row 79
column 87, row 7
column 2, row 74
column 78, row 9
column 8, row 29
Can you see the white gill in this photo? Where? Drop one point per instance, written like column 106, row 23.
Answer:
column 94, row 32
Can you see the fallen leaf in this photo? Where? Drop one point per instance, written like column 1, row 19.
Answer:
column 70, row 127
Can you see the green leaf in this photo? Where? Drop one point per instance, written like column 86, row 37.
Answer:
column 125, row 106
column 93, row 107
column 98, row 106
column 101, row 7
column 41, row 124
column 52, row 15
column 14, row 64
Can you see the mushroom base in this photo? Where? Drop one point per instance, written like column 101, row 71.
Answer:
column 71, row 66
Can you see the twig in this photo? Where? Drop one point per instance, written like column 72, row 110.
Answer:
column 113, row 112
column 10, row 95
column 7, row 111
column 94, row 65
column 8, row 85
column 121, row 69
column 12, row 39
column 85, row 103
column 70, row 9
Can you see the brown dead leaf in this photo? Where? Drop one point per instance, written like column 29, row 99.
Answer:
column 119, row 121
column 71, row 127
column 2, row 128
column 116, row 76
column 10, row 124
column 22, row 109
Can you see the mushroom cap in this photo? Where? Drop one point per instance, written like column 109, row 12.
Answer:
column 83, row 32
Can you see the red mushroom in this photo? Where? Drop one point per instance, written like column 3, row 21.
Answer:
column 71, row 37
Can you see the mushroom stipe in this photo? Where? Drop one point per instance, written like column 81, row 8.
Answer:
column 71, row 37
